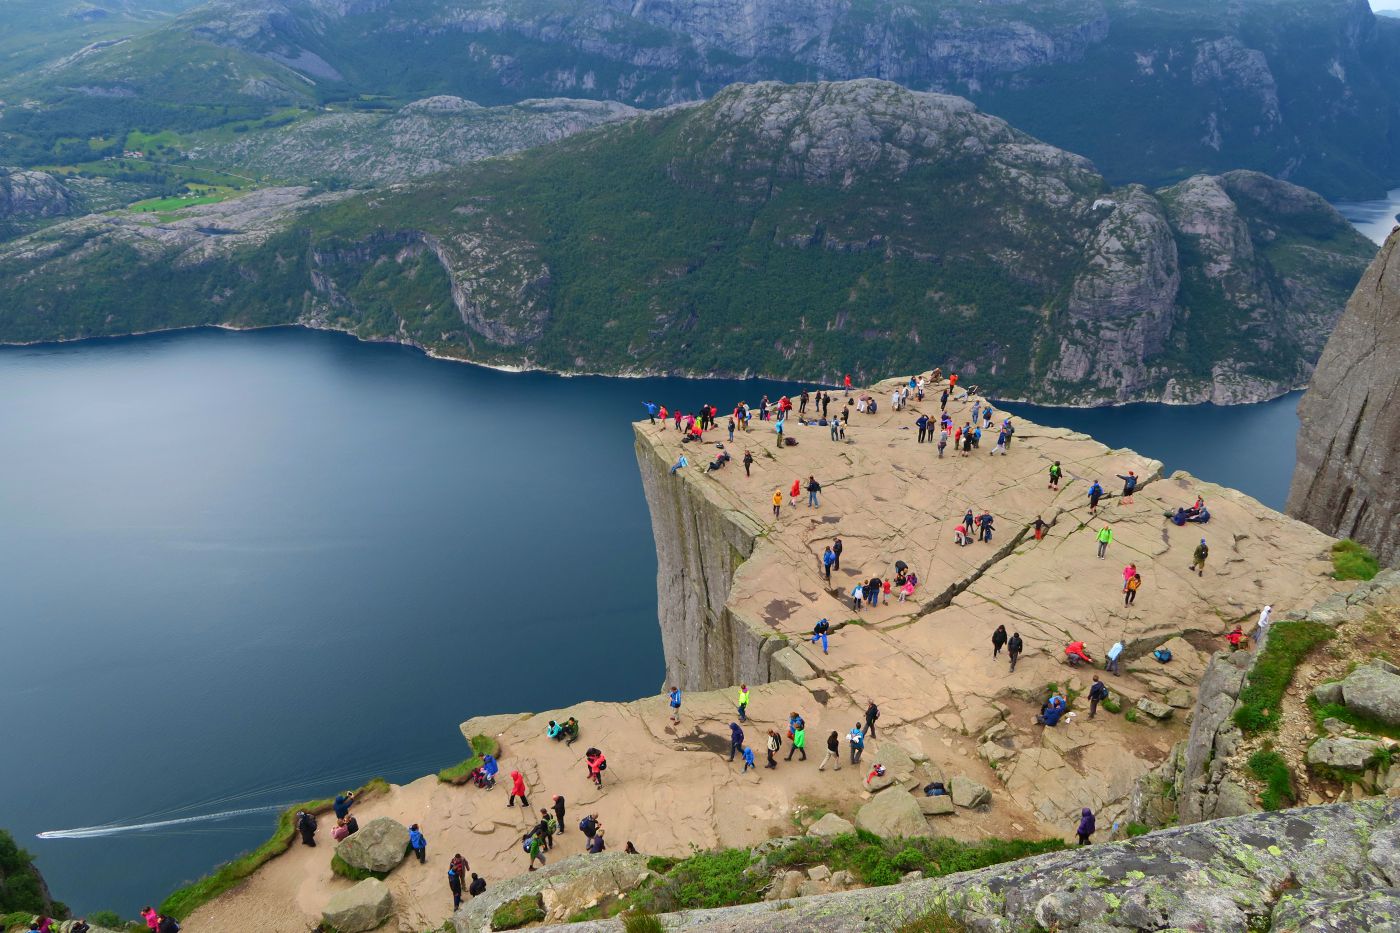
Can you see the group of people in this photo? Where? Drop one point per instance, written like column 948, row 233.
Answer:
column 796, row 735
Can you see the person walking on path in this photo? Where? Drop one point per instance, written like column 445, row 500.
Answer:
column 547, row 828
column 856, row 740
column 1129, row 486
column 748, row 462
column 748, row 760
column 828, row 558
column 1110, row 663
column 799, row 741
column 774, row 743
column 1130, row 589
column 1098, row 692
column 743, row 702
column 813, row 487
column 419, row 843
column 836, row 547
column 454, row 883
column 984, row 527
column 517, row 789
column 872, row 713
column 794, row 493
column 1198, row 558
column 675, row 699
column 1055, row 473
column 1105, row 535
column 1261, row 629
column 833, row 750
column 943, row 401
column 998, row 640
column 1095, row 494
column 736, row 740
column 559, row 811
column 1013, row 649
column 597, row 764
column 777, row 503
column 1039, row 528
column 535, row 847
column 1086, row 826
column 942, row 443
column 820, row 632
column 922, row 423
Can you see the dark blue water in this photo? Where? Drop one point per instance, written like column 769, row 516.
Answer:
column 241, row 570
column 1247, row 447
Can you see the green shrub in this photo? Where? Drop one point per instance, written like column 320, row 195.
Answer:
column 481, row 745
column 21, row 891
column 1353, row 561
column 1113, row 705
column 1130, row 714
column 1268, row 766
column 1288, row 643
column 1358, row 721
column 519, row 912
column 1136, row 829
column 706, row 879
column 109, row 919
column 641, row 923
column 186, row 900
column 937, row 920
column 345, row 870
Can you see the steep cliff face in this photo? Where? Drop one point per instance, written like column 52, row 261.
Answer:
column 701, row 545
column 1347, row 482
column 30, row 195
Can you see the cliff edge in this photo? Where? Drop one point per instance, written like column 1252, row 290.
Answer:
column 1346, row 479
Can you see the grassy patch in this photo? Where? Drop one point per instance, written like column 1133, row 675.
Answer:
column 481, row 745
column 1288, row 643
column 937, row 920
column 1268, row 766
column 186, row 900
column 519, row 912
column 1134, row 830
column 1358, row 721
column 641, row 923
column 1353, row 561
column 728, row 877
column 1112, row 705
column 1130, row 714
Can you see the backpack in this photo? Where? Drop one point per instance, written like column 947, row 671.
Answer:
column 529, row 841
column 1163, row 655
column 603, row 765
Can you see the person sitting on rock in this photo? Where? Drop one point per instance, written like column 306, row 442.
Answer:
column 876, row 772
column 570, row 731
column 596, row 844
column 554, row 731
column 489, row 767
column 1051, row 711
column 340, row 831
column 478, row 885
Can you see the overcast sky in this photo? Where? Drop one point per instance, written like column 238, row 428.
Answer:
column 1385, row 4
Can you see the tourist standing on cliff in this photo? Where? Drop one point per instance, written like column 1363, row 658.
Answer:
column 777, row 503
column 517, row 789
column 778, row 430
column 559, row 810
column 1095, row 494
column 942, row 442
column 748, row 462
column 872, row 713
column 1086, row 825
column 1055, row 473
column 836, row 547
column 1129, row 485
column 828, row 558
column 1110, row 663
column 848, row 385
column 998, row 640
column 306, row 825
column 597, row 764
column 1198, row 558
column 1130, row 589
column 1261, row 629
column 743, row 702
column 1013, row 649
column 419, row 843
column 1104, row 536
column 736, row 740
column 856, row 740
column 675, row 699
column 731, row 429
column 1039, row 527
column 748, row 760
column 342, row 803
column 774, row 743
column 984, row 527
column 1098, row 692
column 813, row 487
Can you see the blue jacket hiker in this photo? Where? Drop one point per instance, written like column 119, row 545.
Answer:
column 675, row 703
column 736, row 740
column 418, row 843
column 748, row 759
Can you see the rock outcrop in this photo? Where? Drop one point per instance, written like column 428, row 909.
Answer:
column 363, row 907
column 379, row 846
column 1347, row 482
column 565, row 888
column 1373, row 692
column 26, row 195
column 894, row 814
column 1260, row 871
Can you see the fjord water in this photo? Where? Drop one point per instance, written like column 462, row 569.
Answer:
column 1375, row 219
column 243, row 570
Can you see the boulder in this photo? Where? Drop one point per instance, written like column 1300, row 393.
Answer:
column 968, row 793
column 1373, row 692
column 1334, row 726
column 1154, row 709
column 1342, row 753
column 879, row 782
column 1180, row 698
column 819, row 873
column 1327, row 694
column 892, row 814
column 379, row 846
column 896, row 760
column 363, row 907
column 831, row 825
column 993, row 753
column 942, row 805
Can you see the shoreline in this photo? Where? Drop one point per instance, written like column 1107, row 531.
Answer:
column 432, row 354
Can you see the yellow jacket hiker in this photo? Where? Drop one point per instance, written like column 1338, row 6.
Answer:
column 743, row 702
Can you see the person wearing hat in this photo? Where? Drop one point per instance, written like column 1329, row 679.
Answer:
column 1198, row 558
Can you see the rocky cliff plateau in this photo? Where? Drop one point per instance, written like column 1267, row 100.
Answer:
column 821, row 228
column 738, row 593
column 1346, row 479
